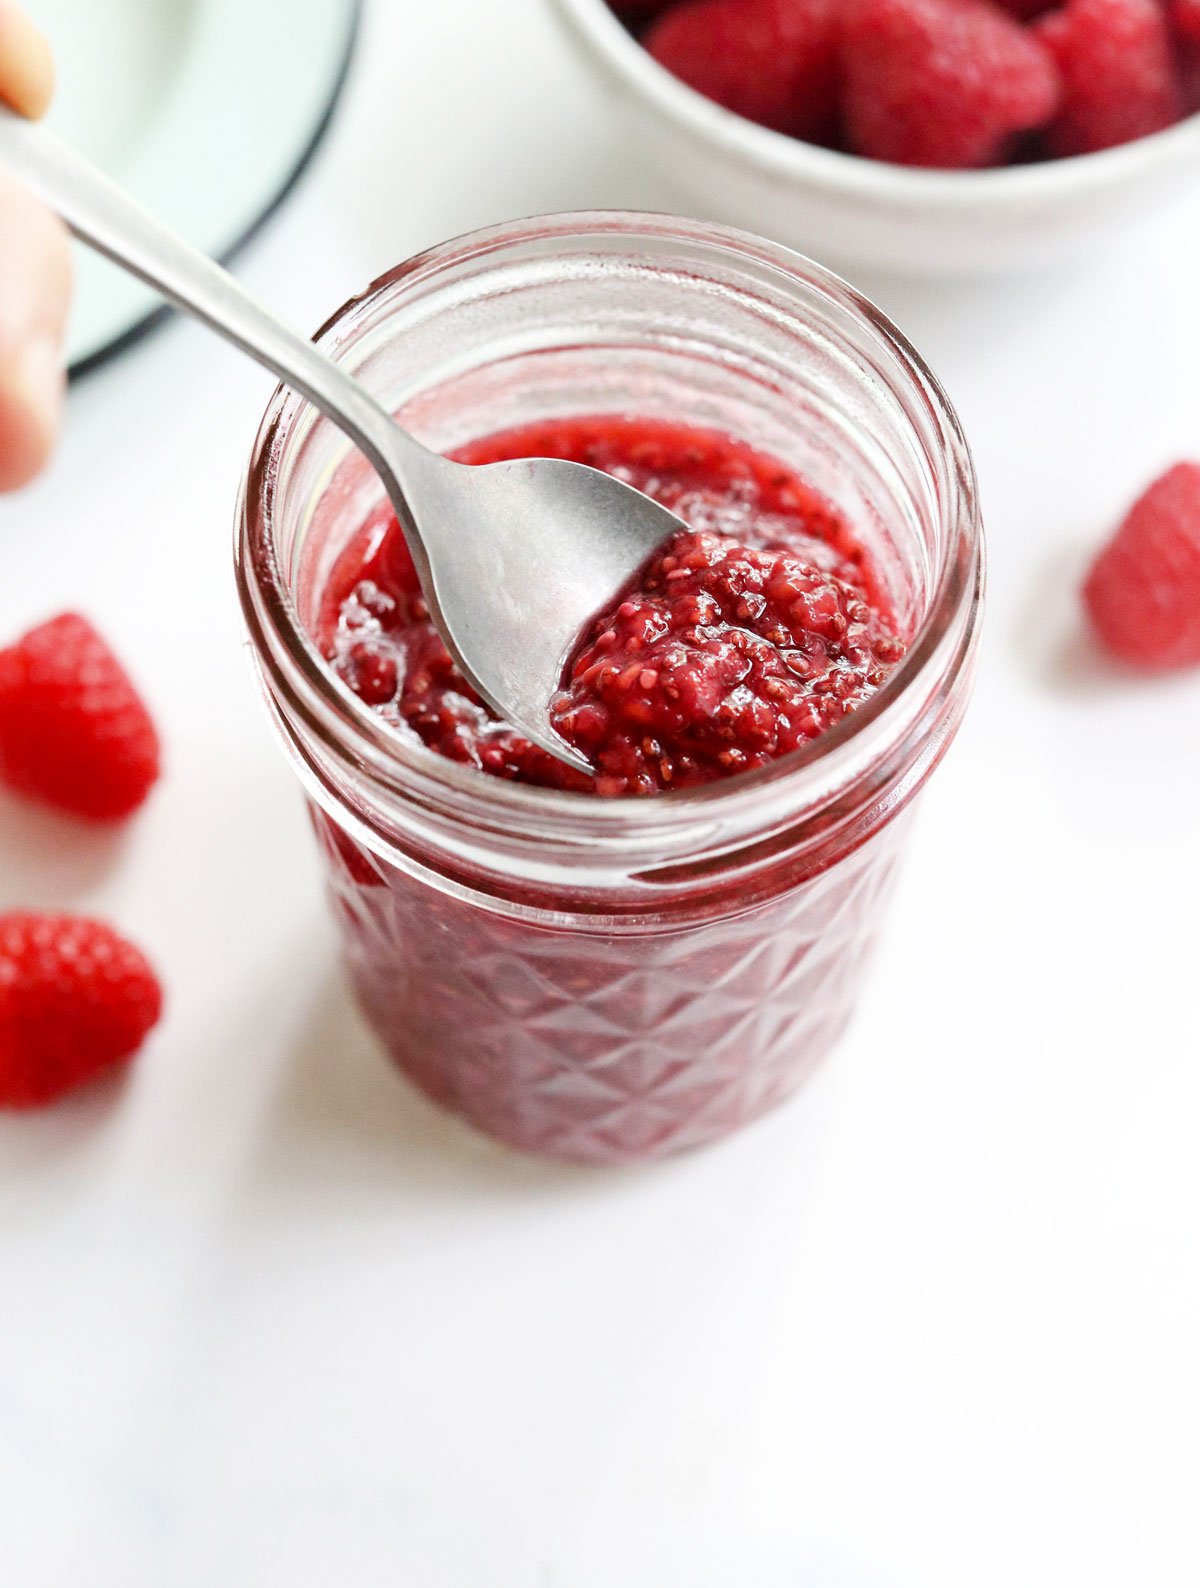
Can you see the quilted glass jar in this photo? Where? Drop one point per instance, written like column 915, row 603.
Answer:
column 600, row 979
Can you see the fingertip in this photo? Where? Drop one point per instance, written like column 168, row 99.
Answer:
column 27, row 73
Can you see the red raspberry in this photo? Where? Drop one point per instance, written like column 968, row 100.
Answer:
column 772, row 61
column 1120, row 80
column 942, row 82
column 1186, row 14
column 1143, row 591
column 73, row 730
column 75, row 1000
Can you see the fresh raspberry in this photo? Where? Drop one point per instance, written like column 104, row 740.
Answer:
column 1143, row 591
column 73, row 730
column 75, row 1000
column 1120, row 79
column 942, row 82
column 772, row 61
column 1186, row 14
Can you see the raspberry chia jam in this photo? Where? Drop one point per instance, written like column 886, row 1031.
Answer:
column 610, row 978
column 737, row 643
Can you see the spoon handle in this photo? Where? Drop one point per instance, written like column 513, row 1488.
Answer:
column 105, row 217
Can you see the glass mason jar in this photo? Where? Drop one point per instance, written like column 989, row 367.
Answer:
column 602, row 979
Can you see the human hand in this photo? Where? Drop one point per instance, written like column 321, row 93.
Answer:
column 34, row 274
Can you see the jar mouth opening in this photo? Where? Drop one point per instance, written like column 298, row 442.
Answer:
column 297, row 671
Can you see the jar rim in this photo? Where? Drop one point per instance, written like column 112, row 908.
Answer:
column 299, row 673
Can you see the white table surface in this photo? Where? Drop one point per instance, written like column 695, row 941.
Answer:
column 266, row 1317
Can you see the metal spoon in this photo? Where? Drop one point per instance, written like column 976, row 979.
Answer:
column 513, row 558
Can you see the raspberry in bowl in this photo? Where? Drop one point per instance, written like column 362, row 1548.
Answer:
column 622, row 970
column 919, row 137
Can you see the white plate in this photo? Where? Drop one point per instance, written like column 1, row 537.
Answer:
column 207, row 110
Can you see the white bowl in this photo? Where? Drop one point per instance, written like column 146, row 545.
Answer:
column 863, row 212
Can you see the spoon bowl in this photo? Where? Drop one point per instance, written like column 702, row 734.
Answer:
column 521, row 555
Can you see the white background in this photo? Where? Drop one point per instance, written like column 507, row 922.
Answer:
column 268, row 1318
